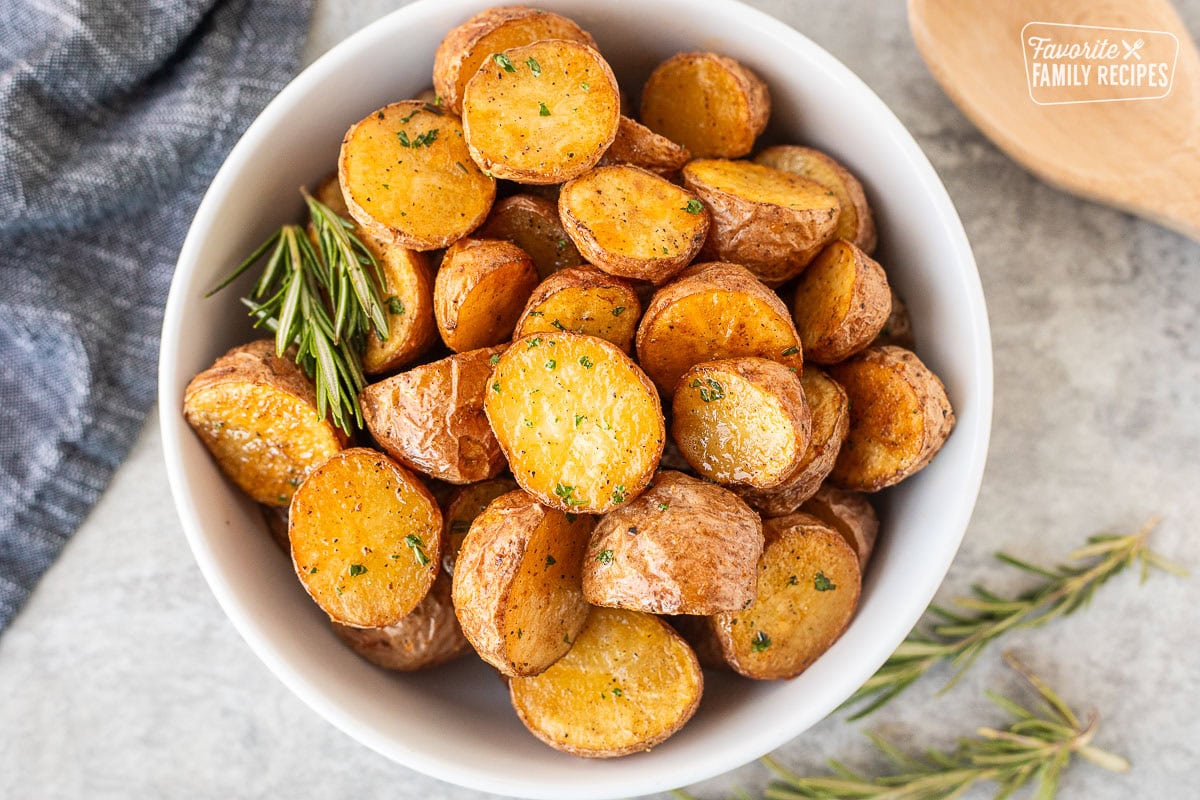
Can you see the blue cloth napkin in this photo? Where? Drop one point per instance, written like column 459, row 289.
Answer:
column 114, row 116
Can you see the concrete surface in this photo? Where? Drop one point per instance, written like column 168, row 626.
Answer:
column 122, row 678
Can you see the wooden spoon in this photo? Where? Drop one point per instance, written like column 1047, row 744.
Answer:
column 1142, row 156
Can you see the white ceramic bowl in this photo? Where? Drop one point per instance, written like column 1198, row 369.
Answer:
column 455, row 723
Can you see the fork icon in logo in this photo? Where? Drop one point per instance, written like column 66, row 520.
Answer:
column 1132, row 49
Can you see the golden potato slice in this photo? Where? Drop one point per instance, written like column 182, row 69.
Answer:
column 897, row 329
column 467, row 503
column 628, row 682
column 426, row 637
column 531, row 223
column 713, row 311
column 257, row 414
column 856, row 223
column 541, row 113
column 848, row 513
column 741, row 421
column 808, row 587
column 771, row 222
column 638, row 145
column 684, row 546
column 408, row 303
column 366, row 538
column 517, row 588
column 480, row 290
column 583, row 300
column 830, row 412
column 468, row 47
column 431, row 418
column 633, row 223
column 899, row 418
column 842, row 302
column 579, row 422
column 710, row 104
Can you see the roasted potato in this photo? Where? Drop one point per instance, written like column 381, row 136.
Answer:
column 517, row 589
column 897, row 329
column 633, row 223
column 408, row 178
column 710, row 104
column 583, row 300
column 480, row 290
column 830, row 413
column 713, row 311
column 638, row 145
column 542, row 113
column 531, row 223
column 856, row 223
column 741, row 421
column 428, row 636
column 366, row 538
column 276, row 519
column 579, row 422
column 628, row 682
column 431, row 418
column 808, row 587
column 842, row 302
column 464, row 505
column 257, row 414
column 848, row 513
column 899, row 418
column 466, row 48
column 772, row 222
column 684, row 546
column 329, row 192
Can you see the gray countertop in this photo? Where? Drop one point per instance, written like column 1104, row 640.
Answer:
column 122, row 678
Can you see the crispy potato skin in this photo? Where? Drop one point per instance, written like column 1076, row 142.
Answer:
column 583, row 300
column 516, row 583
column 897, row 330
column 431, row 418
column 684, row 546
column 579, row 422
column 899, row 418
column 531, row 223
column 408, row 303
column 541, row 126
column 349, row 528
column 830, row 412
column 638, row 145
column 848, row 513
column 697, row 631
column 463, row 506
column 856, row 223
column 426, row 637
column 710, row 104
column 276, row 519
column 772, row 222
column 741, row 421
column 808, row 588
column 480, row 290
column 257, row 415
column 494, row 30
column 842, row 302
column 630, row 222
column 423, row 196
column 713, row 311
column 628, row 683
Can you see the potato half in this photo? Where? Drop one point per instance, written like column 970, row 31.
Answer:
column 899, row 418
column 741, row 421
column 366, row 538
column 771, row 222
column 631, row 222
column 856, row 223
column 897, row 329
column 638, row 145
column 517, row 588
column 464, row 505
column 583, row 300
column 257, row 415
column 713, row 311
column 842, row 302
column 542, row 113
column 531, row 223
column 710, row 104
column 579, row 422
column 848, row 513
column 408, row 178
column 684, row 546
column 480, row 290
column 628, row 682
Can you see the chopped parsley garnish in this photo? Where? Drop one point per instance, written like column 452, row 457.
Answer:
column 551, row 561
column 528, row 423
column 663, row 506
column 394, row 305
column 566, row 492
column 356, row 570
column 520, row 632
column 791, row 351
column 793, row 581
column 822, row 584
column 534, row 67
column 415, row 544
column 585, row 86
column 423, row 139
column 532, row 343
column 579, row 418
column 558, row 325
column 562, row 244
column 496, row 387
column 551, row 364
column 713, row 391
column 494, row 359
column 618, row 495
column 504, row 61
column 586, row 362
column 537, row 313
column 760, row 642
column 618, row 311
column 431, row 108
column 694, row 206
column 617, row 692
column 542, row 110
column 459, row 164
column 312, row 571
column 605, row 557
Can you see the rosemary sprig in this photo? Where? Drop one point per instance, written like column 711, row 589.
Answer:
column 1037, row 746
column 959, row 638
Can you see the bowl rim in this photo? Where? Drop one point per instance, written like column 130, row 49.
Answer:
column 745, row 749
